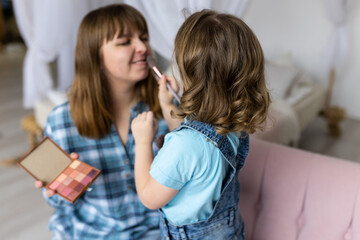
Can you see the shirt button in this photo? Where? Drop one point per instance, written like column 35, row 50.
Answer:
column 126, row 162
column 128, row 175
column 130, row 187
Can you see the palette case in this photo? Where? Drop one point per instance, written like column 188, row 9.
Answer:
column 50, row 164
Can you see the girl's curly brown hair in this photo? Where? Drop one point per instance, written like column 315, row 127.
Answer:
column 221, row 65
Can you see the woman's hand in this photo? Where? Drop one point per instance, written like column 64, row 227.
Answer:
column 165, row 96
column 50, row 192
column 144, row 128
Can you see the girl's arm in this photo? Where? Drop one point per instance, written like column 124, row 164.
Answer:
column 167, row 101
column 151, row 193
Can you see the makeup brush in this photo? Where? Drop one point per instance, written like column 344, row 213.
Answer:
column 152, row 64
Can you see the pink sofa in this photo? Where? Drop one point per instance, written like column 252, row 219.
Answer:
column 290, row 194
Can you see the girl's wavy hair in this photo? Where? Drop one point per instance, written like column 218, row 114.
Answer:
column 221, row 65
column 90, row 103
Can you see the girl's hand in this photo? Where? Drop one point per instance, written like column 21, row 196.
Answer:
column 144, row 128
column 50, row 192
column 165, row 96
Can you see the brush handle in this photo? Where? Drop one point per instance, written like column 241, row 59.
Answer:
column 158, row 74
column 173, row 92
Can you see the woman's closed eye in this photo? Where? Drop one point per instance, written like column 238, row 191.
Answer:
column 144, row 38
column 123, row 42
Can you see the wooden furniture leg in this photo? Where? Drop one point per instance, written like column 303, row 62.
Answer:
column 35, row 134
column 2, row 27
column 333, row 114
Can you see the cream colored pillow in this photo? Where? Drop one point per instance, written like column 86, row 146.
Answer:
column 281, row 74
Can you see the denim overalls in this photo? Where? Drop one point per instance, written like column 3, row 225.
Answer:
column 225, row 221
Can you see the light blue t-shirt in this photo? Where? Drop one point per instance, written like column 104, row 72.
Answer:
column 189, row 163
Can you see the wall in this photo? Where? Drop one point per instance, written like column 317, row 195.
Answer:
column 301, row 27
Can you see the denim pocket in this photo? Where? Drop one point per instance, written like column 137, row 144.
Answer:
column 219, row 227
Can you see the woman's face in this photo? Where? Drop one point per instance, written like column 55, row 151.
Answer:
column 124, row 58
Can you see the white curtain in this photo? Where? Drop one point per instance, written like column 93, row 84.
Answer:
column 337, row 47
column 49, row 29
column 44, row 36
column 164, row 17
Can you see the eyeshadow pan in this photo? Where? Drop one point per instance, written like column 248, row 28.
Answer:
column 92, row 173
column 74, row 174
column 66, row 191
column 80, row 167
column 61, row 178
column 74, row 164
column 86, row 169
column 54, row 185
column 86, row 180
column 60, row 188
column 72, row 195
column 73, row 184
column 80, row 177
column 67, row 171
column 79, row 187
column 67, row 181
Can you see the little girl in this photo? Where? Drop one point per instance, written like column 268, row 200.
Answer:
column 193, row 178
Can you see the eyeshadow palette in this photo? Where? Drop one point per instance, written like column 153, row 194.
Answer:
column 50, row 164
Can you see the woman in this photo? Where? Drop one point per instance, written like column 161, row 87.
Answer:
column 112, row 85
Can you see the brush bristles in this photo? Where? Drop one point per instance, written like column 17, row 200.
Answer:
column 150, row 61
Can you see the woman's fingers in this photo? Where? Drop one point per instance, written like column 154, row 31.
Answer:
column 74, row 156
column 50, row 192
column 39, row 184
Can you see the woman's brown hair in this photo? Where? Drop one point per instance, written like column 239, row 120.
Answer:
column 89, row 98
column 221, row 65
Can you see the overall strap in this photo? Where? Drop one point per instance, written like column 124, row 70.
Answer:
column 242, row 151
column 219, row 141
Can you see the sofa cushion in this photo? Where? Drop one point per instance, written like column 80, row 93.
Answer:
column 290, row 194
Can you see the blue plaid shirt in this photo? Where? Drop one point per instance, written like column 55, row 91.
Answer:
column 112, row 209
